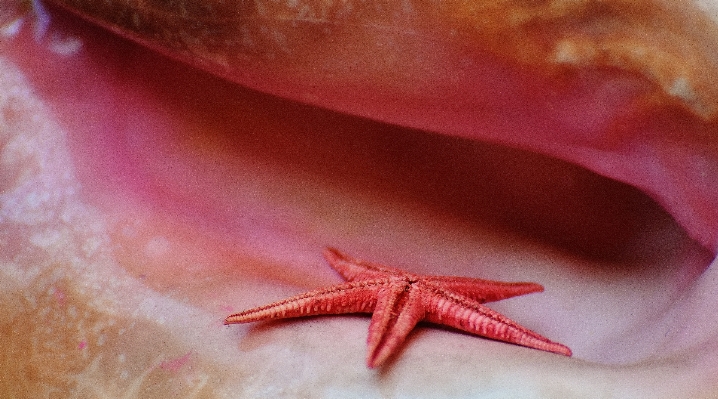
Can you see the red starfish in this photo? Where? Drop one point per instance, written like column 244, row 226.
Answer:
column 399, row 300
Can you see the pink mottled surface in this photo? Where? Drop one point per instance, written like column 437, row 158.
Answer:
column 143, row 200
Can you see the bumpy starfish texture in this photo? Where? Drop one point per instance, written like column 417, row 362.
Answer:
column 399, row 300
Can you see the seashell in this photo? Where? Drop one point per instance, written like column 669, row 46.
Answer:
column 625, row 87
column 136, row 207
column 318, row 48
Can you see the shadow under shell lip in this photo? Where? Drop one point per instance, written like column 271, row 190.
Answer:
column 462, row 70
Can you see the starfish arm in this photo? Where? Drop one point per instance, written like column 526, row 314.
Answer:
column 483, row 290
column 355, row 297
column 355, row 269
column 470, row 316
column 399, row 308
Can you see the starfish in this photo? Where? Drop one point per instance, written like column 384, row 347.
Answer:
column 399, row 300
